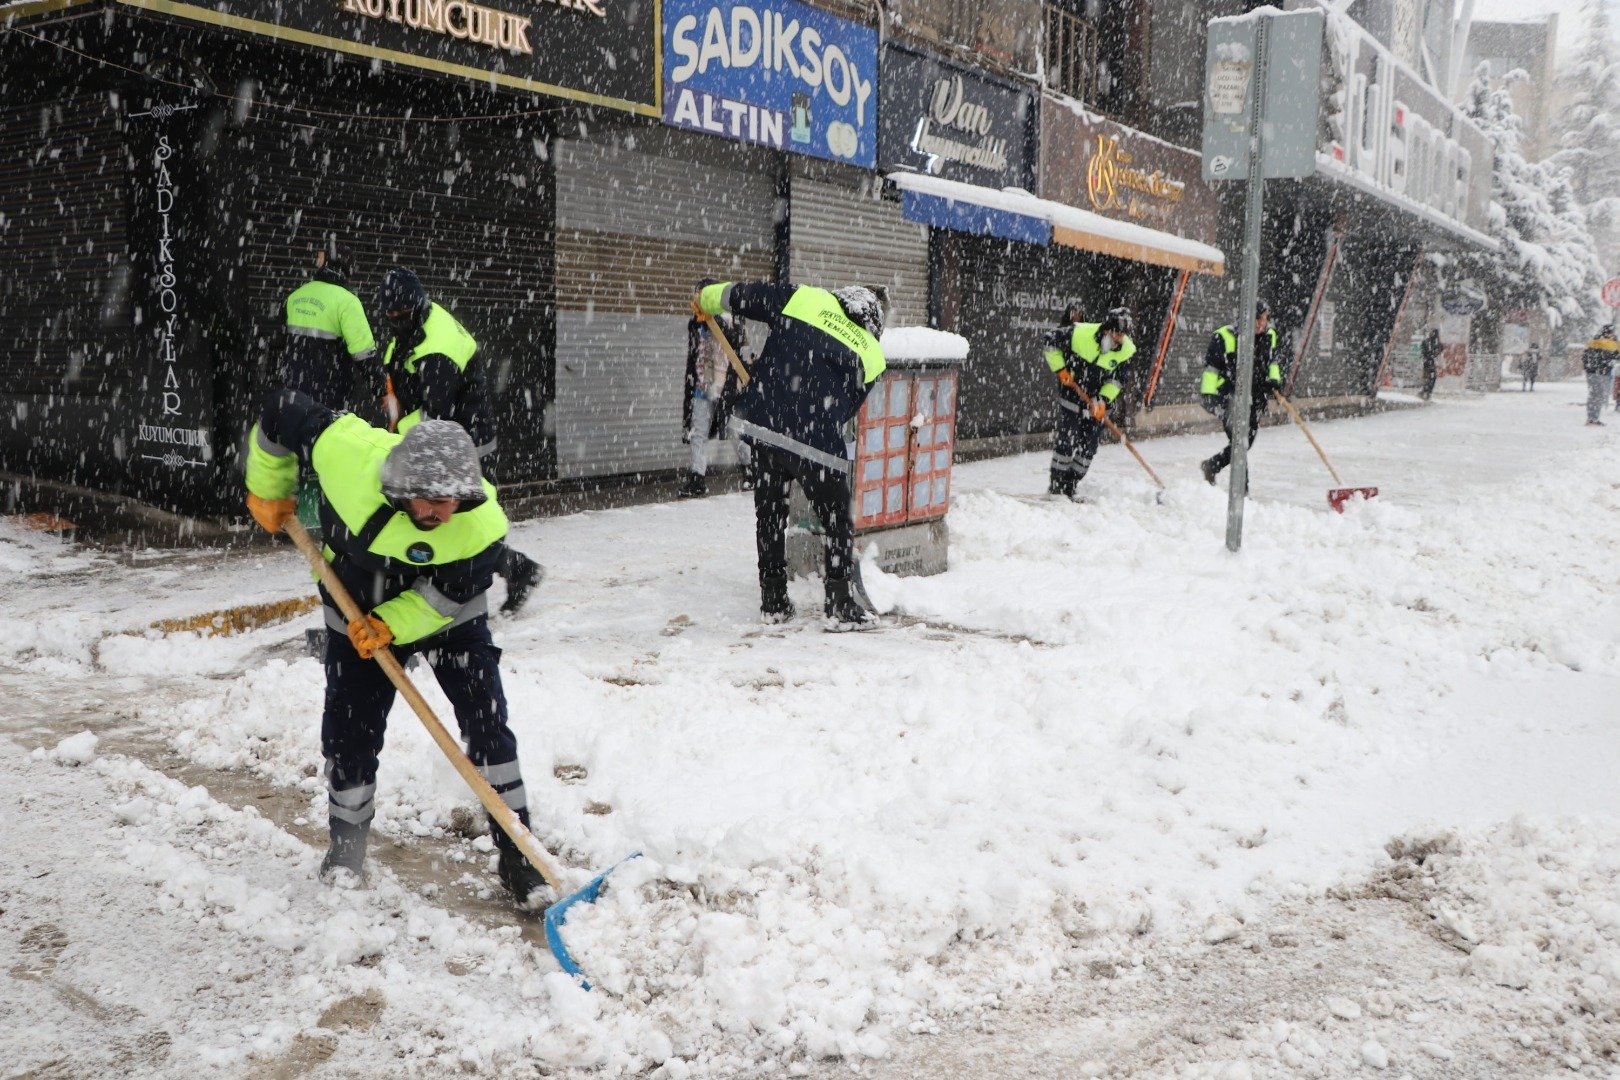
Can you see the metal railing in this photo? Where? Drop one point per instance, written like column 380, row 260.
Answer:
column 1071, row 54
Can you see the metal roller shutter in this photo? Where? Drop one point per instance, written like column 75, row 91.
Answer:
column 64, row 225
column 467, row 207
column 843, row 236
column 635, row 233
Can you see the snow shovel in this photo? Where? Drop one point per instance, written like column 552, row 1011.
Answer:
column 743, row 378
column 503, row 815
column 1158, row 496
column 1338, row 496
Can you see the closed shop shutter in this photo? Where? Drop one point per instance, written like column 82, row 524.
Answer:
column 63, row 225
column 467, row 207
column 842, row 236
column 635, row 233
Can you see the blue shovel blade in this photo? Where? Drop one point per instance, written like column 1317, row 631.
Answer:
column 557, row 914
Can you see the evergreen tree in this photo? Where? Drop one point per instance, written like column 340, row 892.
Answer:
column 1547, row 258
column 1589, row 127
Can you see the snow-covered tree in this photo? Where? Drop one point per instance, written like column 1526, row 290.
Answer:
column 1548, row 258
column 1589, row 127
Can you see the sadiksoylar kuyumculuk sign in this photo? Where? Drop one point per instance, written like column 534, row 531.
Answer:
column 603, row 52
column 773, row 72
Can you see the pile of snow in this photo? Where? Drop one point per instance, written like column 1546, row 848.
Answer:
column 848, row 837
column 923, row 343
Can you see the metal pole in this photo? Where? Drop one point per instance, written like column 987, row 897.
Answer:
column 1243, row 393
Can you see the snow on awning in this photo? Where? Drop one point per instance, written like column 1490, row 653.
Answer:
column 1063, row 224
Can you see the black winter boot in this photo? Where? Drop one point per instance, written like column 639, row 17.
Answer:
column 774, row 604
column 1054, row 486
column 347, row 850
column 843, row 611
column 695, row 486
column 519, row 877
column 1207, row 467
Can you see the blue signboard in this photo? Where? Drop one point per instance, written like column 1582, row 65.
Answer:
column 772, row 72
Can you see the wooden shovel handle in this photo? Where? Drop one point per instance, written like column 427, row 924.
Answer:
column 725, row 343
column 1300, row 420
column 1120, row 435
column 504, row 815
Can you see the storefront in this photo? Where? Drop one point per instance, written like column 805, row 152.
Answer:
column 1120, row 219
column 420, row 134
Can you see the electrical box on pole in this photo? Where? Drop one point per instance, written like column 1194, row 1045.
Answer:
column 1262, row 93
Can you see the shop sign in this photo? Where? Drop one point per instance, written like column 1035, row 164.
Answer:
column 946, row 121
column 1395, row 131
column 167, row 439
column 1466, row 298
column 773, row 72
column 1118, row 172
column 598, row 51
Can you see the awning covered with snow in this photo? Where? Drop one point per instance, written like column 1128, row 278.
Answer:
column 951, row 204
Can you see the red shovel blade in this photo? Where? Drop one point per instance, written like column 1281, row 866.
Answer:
column 1337, row 497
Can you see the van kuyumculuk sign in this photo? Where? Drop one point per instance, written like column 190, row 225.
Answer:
column 946, row 121
column 772, row 72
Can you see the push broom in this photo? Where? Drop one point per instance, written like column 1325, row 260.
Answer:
column 1338, row 496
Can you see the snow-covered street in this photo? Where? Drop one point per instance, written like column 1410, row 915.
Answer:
column 1115, row 802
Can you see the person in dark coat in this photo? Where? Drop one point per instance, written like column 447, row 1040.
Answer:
column 1529, row 368
column 711, row 387
column 1430, row 352
column 1220, row 379
column 1086, row 357
column 413, row 531
column 1598, row 361
column 817, row 366
column 434, row 373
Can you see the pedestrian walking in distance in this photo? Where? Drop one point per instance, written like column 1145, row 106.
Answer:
column 809, row 381
column 413, row 531
column 1220, row 375
column 434, row 373
column 1530, row 367
column 1430, row 350
column 711, row 389
column 1086, row 358
column 1598, row 360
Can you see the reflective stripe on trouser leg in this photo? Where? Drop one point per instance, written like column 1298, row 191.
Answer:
column 507, row 780
column 355, row 805
column 1066, row 442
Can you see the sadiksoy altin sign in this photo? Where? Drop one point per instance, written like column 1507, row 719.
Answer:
column 772, row 72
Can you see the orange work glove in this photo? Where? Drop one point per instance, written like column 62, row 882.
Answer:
column 697, row 309
column 1099, row 408
column 272, row 514
column 369, row 635
column 1066, row 377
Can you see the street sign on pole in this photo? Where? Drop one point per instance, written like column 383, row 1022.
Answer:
column 1611, row 292
column 1291, row 100
column 1259, row 120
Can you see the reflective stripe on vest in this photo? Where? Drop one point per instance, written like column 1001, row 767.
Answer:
column 821, row 309
column 328, row 311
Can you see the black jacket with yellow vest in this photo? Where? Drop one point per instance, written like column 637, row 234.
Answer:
column 1599, row 357
column 1220, row 365
column 1078, row 349
column 812, row 375
column 418, row 581
column 437, row 375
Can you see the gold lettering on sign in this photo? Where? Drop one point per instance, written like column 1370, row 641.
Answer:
column 1110, row 169
column 463, row 20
